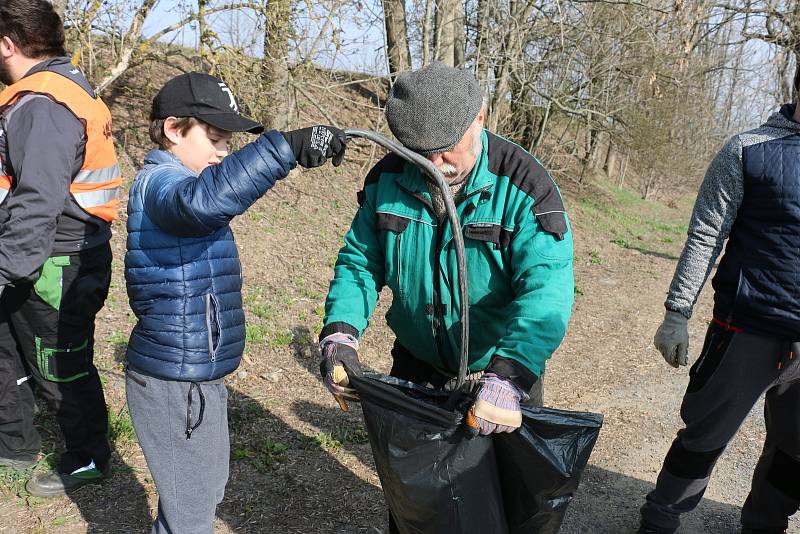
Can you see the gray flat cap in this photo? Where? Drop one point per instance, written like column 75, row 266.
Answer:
column 430, row 109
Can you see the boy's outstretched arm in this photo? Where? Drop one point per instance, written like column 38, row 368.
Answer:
column 198, row 205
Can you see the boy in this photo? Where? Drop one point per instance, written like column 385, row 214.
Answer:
column 184, row 283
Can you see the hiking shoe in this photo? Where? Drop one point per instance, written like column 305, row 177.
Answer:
column 53, row 484
column 17, row 464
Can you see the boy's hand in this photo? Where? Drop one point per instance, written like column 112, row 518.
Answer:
column 314, row 145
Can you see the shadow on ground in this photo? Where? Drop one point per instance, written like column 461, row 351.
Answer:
column 285, row 481
column 117, row 505
column 608, row 503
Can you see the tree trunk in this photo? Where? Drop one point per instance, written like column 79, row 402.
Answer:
column 449, row 31
column 427, row 31
column 397, row 52
column 611, row 159
column 482, row 42
column 623, row 170
column 542, row 128
column 204, row 40
column 131, row 40
column 459, row 34
column 275, row 67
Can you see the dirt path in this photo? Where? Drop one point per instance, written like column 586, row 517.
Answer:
column 301, row 466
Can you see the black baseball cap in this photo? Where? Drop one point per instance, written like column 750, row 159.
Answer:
column 205, row 97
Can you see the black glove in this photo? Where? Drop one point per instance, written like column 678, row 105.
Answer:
column 313, row 145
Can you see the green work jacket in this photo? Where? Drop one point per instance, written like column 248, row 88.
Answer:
column 519, row 262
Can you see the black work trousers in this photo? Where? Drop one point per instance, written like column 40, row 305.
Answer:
column 47, row 345
column 733, row 370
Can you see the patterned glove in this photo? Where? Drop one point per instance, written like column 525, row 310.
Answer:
column 496, row 407
column 338, row 350
column 314, row 145
column 672, row 339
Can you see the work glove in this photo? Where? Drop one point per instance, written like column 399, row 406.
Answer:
column 314, row 145
column 496, row 407
column 672, row 339
column 338, row 350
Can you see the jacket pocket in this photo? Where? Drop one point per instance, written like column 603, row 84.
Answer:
column 213, row 325
column 396, row 265
column 489, row 233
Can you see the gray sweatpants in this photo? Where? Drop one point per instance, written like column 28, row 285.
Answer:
column 733, row 370
column 190, row 474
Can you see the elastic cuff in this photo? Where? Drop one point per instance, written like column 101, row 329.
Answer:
column 512, row 370
column 282, row 147
column 674, row 309
column 338, row 327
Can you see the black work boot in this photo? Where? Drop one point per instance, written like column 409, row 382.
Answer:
column 54, row 483
column 17, row 464
column 746, row 530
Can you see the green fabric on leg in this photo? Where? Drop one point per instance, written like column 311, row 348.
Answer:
column 48, row 286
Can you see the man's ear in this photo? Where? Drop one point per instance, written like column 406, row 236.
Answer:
column 171, row 132
column 481, row 118
column 7, row 47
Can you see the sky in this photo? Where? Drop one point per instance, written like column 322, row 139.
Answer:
column 361, row 38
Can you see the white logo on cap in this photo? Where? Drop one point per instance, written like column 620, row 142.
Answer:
column 232, row 103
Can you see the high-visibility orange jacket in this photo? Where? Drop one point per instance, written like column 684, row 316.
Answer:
column 59, row 175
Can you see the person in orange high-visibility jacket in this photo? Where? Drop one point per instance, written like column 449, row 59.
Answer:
column 59, row 182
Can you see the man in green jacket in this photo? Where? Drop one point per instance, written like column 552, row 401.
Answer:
column 518, row 250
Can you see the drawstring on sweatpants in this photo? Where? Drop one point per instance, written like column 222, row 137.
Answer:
column 189, row 427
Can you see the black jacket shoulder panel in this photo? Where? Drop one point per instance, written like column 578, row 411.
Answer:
column 529, row 176
column 390, row 163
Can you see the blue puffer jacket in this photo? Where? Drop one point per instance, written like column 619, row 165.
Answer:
column 182, row 266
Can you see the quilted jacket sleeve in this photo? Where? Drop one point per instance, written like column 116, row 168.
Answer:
column 194, row 206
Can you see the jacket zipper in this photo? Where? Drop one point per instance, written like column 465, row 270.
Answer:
column 438, row 312
column 212, row 307
column 399, row 262
column 437, row 304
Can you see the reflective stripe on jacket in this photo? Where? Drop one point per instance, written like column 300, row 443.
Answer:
column 96, row 186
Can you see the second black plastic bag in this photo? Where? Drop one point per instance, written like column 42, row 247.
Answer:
column 437, row 479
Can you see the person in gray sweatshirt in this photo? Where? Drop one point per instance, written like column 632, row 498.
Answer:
column 751, row 197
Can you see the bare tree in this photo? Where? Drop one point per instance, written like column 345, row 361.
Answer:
column 397, row 51
column 274, row 80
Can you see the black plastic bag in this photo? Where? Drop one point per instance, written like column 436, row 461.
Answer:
column 437, row 479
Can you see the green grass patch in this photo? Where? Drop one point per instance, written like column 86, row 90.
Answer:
column 12, row 481
column 281, row 338
column 631, row 222
column 620, row 242
column 257, row 333
column 120, row 426
column 240, row 414
column 335, row 441
column 118, row 339
column 270, row 453
column 255, row 305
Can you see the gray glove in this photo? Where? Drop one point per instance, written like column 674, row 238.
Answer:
column 672, row 339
